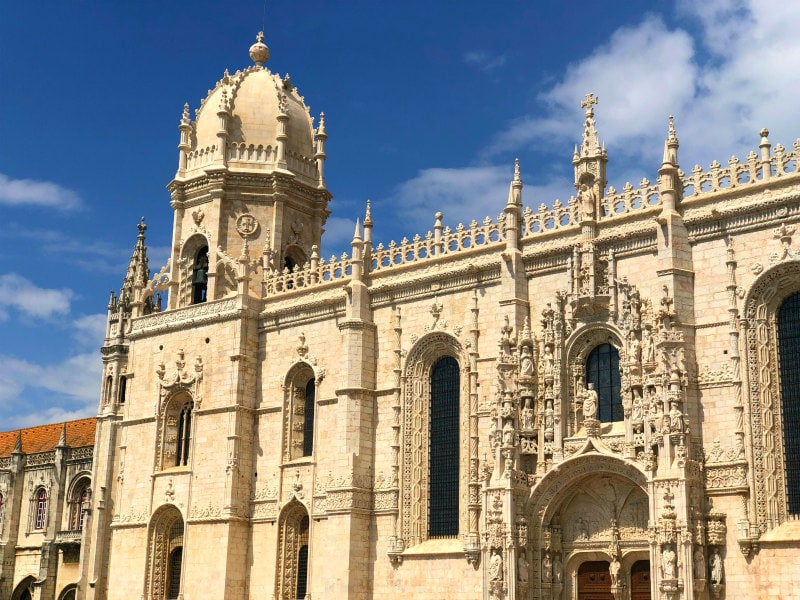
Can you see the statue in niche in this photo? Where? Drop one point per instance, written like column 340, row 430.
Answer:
column 634, row 348
column 547, row 361
column 676, row 421
column 508, row 434
column 649, row 355
column 522, row 568
column 590, row 402
column 716, row 567
column 668, row 563
column 637, row 412
column 613, row 570
column 527, row 413
column 547, row 568
column 581, row 529
column 699, row 564
column 526, row 363
column 586, row 201
column 496, row 566
column 558, row 570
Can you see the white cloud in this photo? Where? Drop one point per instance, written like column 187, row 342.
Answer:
column 29, row 299
column 30, row 192
column 740, row 72
column 337, row 237
column 483, row 60
column 462, row 193
column 90, row 330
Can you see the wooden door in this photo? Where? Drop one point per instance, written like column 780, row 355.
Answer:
column 640, row 580
column 594, row 581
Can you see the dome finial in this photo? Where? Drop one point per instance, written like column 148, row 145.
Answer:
column 259, row 52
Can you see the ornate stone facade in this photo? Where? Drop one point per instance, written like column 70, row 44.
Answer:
column 616, row 398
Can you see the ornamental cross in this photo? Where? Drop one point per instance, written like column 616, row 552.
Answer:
column 590, row 100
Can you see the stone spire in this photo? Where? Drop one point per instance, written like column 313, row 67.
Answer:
column 671, row 146
column 259, row 52
column 18, row 444
column 590, row 158
column 515, row 188
column 138, row 270
column 62, row 439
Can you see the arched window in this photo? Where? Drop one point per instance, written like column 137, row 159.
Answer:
column 78, row 498
column 300, row 412
column 789, row 353
column 184, row 435
column 165, row 554
column 69, row 592
column 293, row 550
column 107, row 391
column 443, row 455
column 123, row 385
column 308, row 419
column 200, row 276
column 602, row 369
column 40, row 507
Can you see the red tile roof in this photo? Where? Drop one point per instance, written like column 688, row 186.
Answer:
column 44, row 438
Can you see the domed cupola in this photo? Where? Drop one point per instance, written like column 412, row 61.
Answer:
column 254, row 120
column 250, row 186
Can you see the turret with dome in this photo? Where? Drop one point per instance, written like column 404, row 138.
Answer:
column 250, row 176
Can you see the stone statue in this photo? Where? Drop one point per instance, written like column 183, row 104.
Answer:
column 496, row 566
column 527, row 414
column 716, row 567
column 558, row 570
column 676, row 422
column 547, row 568
column 699, row 564
column 649, row 347
column 547, row 361
column 668, row 563
column 586, row 202
column 637, row 412
column 613, row 570
column 522, row 568
column 508, row 434
column 526, row 364
column 634, row 348
column 590, row 402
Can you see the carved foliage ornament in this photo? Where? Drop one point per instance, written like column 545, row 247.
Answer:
column 180, row 378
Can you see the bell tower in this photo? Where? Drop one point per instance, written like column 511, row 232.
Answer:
column 250, row 187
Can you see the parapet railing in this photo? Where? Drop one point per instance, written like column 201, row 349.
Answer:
column 444, row 241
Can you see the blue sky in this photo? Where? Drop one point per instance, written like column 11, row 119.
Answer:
column 426, row 103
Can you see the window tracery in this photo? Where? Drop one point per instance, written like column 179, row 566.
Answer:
column 79, row 496
column 293, row 552
column 602, row 371
column 40, row 509
column 299, row 410
column 165, row 554
column 176, row 431
column 439, row 355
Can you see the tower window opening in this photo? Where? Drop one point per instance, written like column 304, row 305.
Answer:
column 184, row 435
column 602, row 369
column 200, row 276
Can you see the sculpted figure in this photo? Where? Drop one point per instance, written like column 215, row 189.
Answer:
column 496, row 566
column 547, row 361
column 522, row 568
column 676, row 418
column 586, row 201
column 613, row 570
column 649, row 347
column 558, row 570
column 668, row 563
column 527, row 414
column 590, row 403
column 699, row 564
column 526, row 364
column 716, row 567
column 634, row 348
column 637, row 413
column 547, row 568
column 508, row 434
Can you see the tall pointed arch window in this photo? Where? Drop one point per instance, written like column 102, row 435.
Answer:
column 184, row 435
column 444, row 449
column 78, row 498
column 602, row 369
column 165, row 554
column 200, row 276
column 40, row 508
column 308, row 418
column 291, row 582
column 301, row 392
column 789, row 351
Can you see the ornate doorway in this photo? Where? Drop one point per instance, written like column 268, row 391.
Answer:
column 640, row 580
column 594, row 581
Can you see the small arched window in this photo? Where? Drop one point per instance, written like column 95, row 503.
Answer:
column 174, row 575
column 602, row 369
column 123, row 386
column 108, row 386
column 308, row 419
column 302, row 560
column 444, row 449
column 789, row 351
column 184, row 435
column 200, row 276
column 78, row 499
column 40, row 507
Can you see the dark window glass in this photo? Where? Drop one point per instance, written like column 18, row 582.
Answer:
column 174, row 583
column 123, row 385
column 200, row 276
column 789, row 348
column 184, row 436
column 602, row 369
column 308, row 420
column 302, row 572
column 443, row 454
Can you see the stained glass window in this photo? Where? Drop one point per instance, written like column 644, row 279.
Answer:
column 443, row 454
